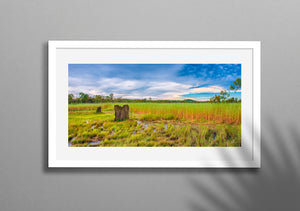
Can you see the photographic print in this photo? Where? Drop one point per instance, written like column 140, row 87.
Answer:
column 154, row 105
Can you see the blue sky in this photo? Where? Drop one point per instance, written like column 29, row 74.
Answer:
column 158, row 81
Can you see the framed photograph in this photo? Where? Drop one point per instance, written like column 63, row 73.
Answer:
column 154, row 104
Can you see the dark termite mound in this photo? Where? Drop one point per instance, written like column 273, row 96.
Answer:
column 98, row 110
column 121, row 113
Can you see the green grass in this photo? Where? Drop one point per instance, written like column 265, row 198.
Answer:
column 156, row 125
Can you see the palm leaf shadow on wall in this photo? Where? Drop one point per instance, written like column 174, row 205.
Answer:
column 273, row 187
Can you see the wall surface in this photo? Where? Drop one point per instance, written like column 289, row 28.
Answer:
column 27, row 184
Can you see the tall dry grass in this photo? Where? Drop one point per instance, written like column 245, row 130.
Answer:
column 221, row 112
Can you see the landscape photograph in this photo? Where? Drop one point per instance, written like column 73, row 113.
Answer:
column 154, row 105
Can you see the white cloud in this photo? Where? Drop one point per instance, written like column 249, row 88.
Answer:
column 75, row 81
column 91, row 90
column 119, row 84
column 214, row 89
column 167, row 86
column 135, row 89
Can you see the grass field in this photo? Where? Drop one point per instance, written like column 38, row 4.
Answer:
column 156, row 125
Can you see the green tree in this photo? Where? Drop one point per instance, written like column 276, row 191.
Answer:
column 98, row 99
column 215, row 99
column 106, row 99
column 224, row 95
column 111, row 97
column 83, row 97
column 237, row 84
column 70, row 98
column 232, row 100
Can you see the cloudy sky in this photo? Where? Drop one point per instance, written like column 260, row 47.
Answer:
column 158, row 81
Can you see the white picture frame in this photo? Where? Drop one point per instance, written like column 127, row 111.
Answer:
column 62, row 53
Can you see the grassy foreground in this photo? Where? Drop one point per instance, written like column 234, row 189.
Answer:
column 156, row 125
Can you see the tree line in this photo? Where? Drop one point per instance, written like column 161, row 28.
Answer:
column 85, row 98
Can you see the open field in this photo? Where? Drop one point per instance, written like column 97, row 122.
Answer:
column 156, row 125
